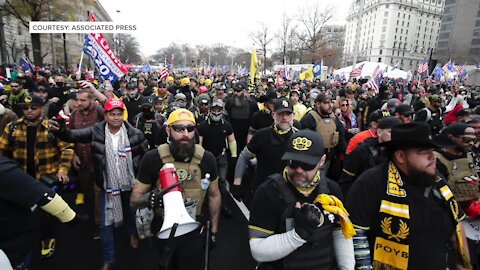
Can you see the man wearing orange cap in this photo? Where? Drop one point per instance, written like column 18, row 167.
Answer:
column 198, row 169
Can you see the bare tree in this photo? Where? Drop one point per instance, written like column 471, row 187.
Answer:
column 284, row 35
column 313, row 37
column 41, row 10
column 262, row 39
column 129, row 49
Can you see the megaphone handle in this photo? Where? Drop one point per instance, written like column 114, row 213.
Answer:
column 207, row 244
column 165, row 190
column 168, row 251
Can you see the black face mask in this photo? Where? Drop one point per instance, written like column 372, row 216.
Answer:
column 148, row 112
column 59, row 84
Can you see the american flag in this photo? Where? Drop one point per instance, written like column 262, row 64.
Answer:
column 377, row 72
column 356, row 72
column 460, row 69
column 164, row 74
column 371, row 84
column 423, row 67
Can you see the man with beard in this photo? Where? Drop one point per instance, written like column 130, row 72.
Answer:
column 474, row 122
column 367, row 155
column 297, row 219
column 193, row 164
column 404, row 213
column 16, row 96
column 361, row 107
column 328, row 125
column 87, row 114
column 457, row 164
column 267, row 145
column 240, row 110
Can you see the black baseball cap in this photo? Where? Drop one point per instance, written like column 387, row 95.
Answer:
column 404, row 109
column 283, row 105
column 457, row 129
column 305, row 146
column 376, row 115
column 388, row 122
column 32, row 100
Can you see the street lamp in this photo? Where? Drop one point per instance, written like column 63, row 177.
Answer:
column 3, row 44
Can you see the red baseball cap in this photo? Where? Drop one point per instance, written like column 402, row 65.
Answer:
column 114, row 104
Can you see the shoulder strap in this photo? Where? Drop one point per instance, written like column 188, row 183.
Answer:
column 286, row 194
column 315, row 115
column 443, row 160
column 11, row 138
column 164, row 153
column 198, row 156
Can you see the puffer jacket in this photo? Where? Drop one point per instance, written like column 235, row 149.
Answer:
column 96, row 135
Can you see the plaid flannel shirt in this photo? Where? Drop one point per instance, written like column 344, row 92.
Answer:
column 51, row 154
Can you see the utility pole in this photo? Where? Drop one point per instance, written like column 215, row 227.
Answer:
column 3, row 43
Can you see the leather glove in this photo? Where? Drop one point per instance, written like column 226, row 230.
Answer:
column 307, row 219
column 78, row 219
column 155, row 199
column 237, row 192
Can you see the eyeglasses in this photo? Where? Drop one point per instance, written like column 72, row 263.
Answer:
column 345, row 105
column 180, row 128
column 33, row 108
column 305, row 166
column 467, row 139
column 15, row 86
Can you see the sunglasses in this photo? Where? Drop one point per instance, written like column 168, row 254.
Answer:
column 33, row 108
column 180, row 128
column 305, row 166
column 345, row 105
column 467, row 139
column 15, row 86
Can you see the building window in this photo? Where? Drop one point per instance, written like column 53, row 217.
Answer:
column 379, row 60
column 447, row 18
column 396, row 30
column 476, row 41
column 450, row 2
column 476, row 33
column 446, row 27
column 380, row 52
column 384, row 21
column 19, row 29
column 385, row 14
column 477, row 23
column 445, row 35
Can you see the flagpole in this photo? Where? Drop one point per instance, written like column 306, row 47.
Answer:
column 79, row 71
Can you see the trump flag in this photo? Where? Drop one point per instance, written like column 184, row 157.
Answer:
column 108, row 65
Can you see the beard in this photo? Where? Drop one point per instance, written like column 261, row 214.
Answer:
column 239, row 101
column 424, row 178
column 182, row 151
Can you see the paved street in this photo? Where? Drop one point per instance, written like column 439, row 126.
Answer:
column 76, row 250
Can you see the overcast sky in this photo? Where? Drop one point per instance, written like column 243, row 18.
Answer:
column 207, row 21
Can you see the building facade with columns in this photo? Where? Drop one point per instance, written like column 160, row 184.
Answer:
column 399, row 33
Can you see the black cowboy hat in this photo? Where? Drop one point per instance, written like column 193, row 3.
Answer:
column 415, row 135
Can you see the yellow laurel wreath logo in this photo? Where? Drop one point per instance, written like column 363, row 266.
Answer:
column 301, row 144
column 183, row 175
column 402, row 233
column 28, row 99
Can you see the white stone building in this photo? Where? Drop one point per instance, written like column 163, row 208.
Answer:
column 19, row 45
column 400, row 33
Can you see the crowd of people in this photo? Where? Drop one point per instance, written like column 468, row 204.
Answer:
column 336, row 175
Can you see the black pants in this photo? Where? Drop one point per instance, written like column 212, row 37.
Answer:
column 186, row 251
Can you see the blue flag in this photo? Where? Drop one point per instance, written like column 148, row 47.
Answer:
column 317, row 69
column 26, row 65
column 146, row 68
column 108, row 66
